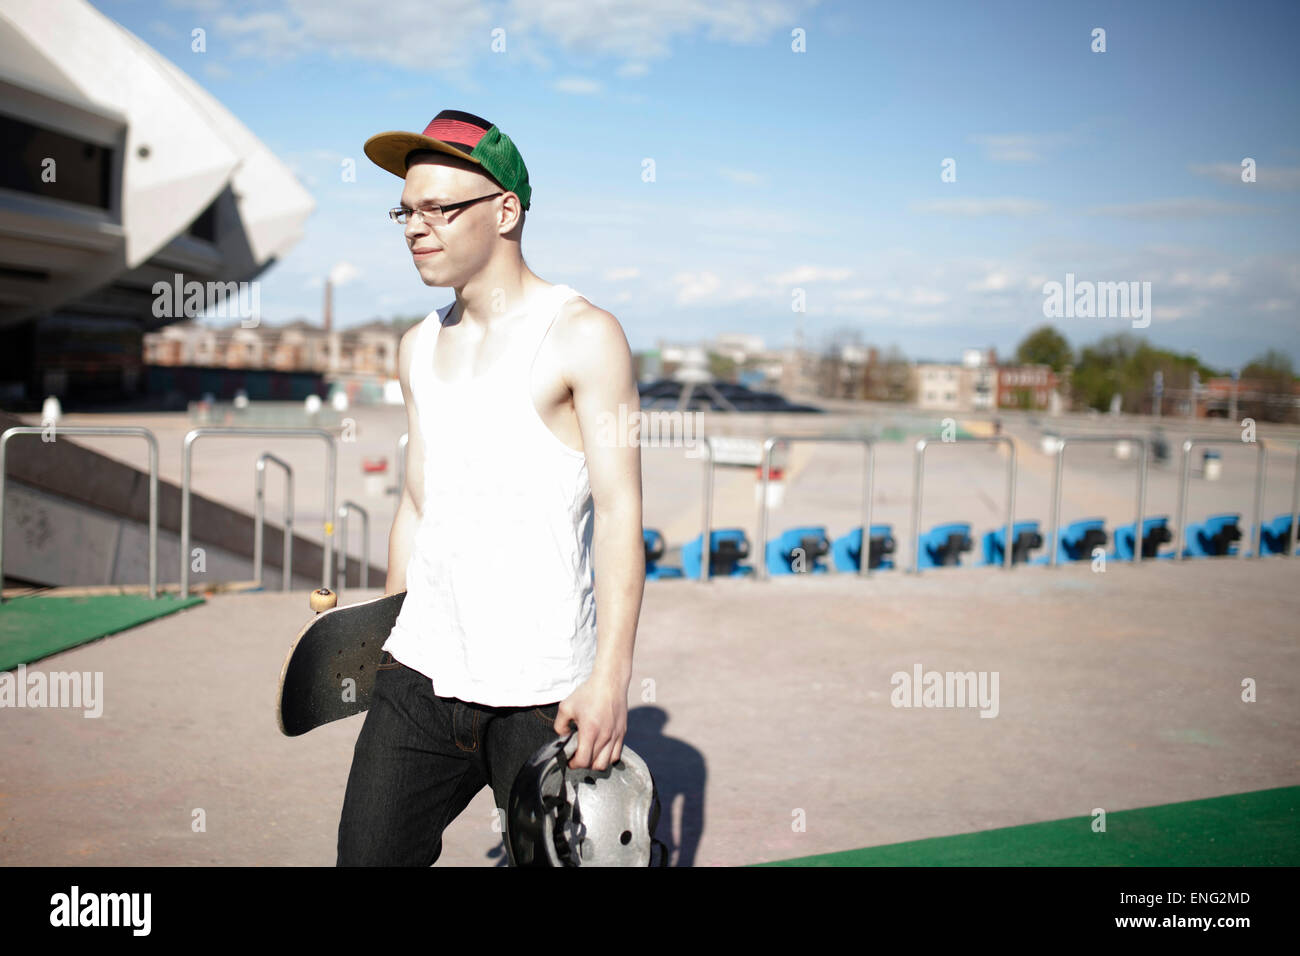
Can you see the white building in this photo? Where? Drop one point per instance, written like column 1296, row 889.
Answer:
column 127, row 174
column 938, row 386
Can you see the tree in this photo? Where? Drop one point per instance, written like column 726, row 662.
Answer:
column 1045, row 346
column 722, row 367
column 1125, row 364
column 1268, row 388
column 1271, row 366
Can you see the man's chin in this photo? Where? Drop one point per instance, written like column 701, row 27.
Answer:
column 435, row 282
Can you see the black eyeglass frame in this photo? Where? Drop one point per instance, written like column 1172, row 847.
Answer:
column 398, row 211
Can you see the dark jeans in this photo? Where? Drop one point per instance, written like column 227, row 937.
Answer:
column 420, row 759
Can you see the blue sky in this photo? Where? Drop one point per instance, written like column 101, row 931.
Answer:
column 778, row 170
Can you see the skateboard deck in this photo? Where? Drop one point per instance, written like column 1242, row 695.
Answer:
column 329, row 672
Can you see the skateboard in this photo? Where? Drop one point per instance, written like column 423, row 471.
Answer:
column 329, row 672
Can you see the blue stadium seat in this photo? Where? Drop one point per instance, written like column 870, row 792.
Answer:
column 654, row 550
column 727, row 547
column 1155, row 532
column 1215, row 537
column 942, row 545
column 1025, row 538
column 1276, row 536
column 1076, row 541
column 811, row 541
column 846, row 551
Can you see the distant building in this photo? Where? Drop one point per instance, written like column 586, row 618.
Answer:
column 979, row 378
column 369, row 349
column 1026, row 386
column 978, row 385
column 1249, row 398
column 939, row 387
column 738, row 346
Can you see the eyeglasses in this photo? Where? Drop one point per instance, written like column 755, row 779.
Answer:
column 432, row 215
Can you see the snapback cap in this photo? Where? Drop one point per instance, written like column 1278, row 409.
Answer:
column 459, row 134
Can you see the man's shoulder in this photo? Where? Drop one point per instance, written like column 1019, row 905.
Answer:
column 579, row 317
column 406, row 344
column 436, row 317
column 590, row 339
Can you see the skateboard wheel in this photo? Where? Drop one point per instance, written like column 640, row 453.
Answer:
column 322, row 599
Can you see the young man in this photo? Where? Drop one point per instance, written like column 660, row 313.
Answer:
column 507, row 495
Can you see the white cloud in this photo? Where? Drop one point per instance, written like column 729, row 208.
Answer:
column 403, row 36
column 619, row 275
column 697, row 287
column 1190, row 279
column 1266, row 176
column 1190, row 207
column 993, row 282
column 644, row 30
column 1172, row 313
column 743, row 177
column 461, row 31
column 875, row 312
column 916, row 296
column 969, row 208
column 1019, row 147
column 199, row 6
column 343, row 273
column 577, row 85
column 803, row 274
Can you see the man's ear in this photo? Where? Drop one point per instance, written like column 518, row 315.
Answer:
column 511, row 206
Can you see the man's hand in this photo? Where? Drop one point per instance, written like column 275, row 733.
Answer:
column 599, row 708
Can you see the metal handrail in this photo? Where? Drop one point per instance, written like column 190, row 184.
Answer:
column 132, row 430
column 344, row 510
column 1294, row 536
column 918, row 487
column 1056, row 488
column 708, row 509
column 239, row 431
column 286, row 563
column 870, row 446
column 1260, row 462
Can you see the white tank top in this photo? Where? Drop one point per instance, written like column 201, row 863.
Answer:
column 500, row 606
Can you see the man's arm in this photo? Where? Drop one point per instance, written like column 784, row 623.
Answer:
column 600, row 373
column 411, row 502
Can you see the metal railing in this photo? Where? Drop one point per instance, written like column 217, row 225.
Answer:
column 125, row 430
column 869, row 474
column 1293, row 539
column 236, row 431
column 1260, row 461
column 705, row 548
column 344, row 510
column 918, row 487
column 1053, row 545
column 286, row 563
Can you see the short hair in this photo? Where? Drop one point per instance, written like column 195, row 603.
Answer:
column 459, row 162
column 416, row 155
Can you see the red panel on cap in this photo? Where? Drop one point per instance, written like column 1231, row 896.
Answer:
column 454, row 131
